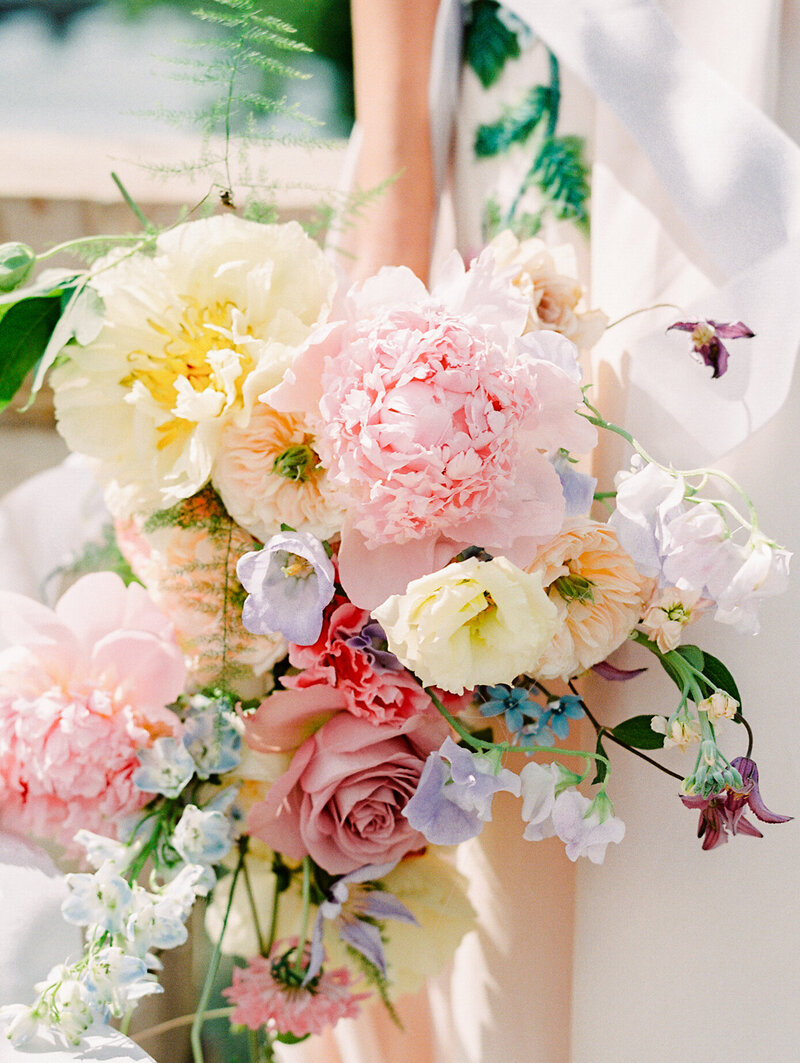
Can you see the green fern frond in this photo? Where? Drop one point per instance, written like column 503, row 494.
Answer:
column 562, row 175
column 515, row 125
column 490, row 43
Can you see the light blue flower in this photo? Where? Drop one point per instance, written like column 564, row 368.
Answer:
column 558, row 714
column 102, row 899
column 454, row 800
column 201, row 836
column 114, row 980
column 515, row 703
column 212, row 736
column 165, row 768
column 289, row 583
column 578, row 487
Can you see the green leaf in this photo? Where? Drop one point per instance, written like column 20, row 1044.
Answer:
column 719, row 678
column 515, row 125
column 638, row 733
column 81, row 320
column 25, row 330
column 694, row 655
column 489, row 42
column 290, row 1039
column 563, row 177
column 601, row 768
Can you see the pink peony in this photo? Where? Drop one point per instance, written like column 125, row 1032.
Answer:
column 435, row 420
column 350, row 655
column 267, row 992
column 342, row 798
column 82, row 687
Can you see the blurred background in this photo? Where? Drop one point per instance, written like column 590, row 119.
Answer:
column 81, row 86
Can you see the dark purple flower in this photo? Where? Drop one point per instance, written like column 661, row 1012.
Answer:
column 707, row 337
column 723, row 813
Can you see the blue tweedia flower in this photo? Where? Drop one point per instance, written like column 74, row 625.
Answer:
column 515, row 703
column 212, row 736
column 558, row 714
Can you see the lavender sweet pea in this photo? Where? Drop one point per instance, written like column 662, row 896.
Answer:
column 289, row 583
column 454, row 800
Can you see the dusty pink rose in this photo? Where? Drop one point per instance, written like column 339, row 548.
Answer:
column 266, row 994
column 82, row 687
column 435, row 419
column 351, row 656
column 341, row 801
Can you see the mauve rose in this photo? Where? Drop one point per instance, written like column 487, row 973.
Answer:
column 341, row 800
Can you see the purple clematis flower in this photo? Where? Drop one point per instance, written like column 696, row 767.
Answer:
column 289, row 583
column 352, row 909
column 723, row 813
column 707, row 337
column 453, row 800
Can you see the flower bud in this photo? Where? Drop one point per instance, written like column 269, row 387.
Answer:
column 16, row 262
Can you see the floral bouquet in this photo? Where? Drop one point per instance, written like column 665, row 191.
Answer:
column 358, row 562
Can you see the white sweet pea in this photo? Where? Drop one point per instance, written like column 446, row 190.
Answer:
column 539, row 783
column 758, row 570
column 582, row 835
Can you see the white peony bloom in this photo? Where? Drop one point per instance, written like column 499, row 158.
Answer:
column 472, row 622
column 191, row 336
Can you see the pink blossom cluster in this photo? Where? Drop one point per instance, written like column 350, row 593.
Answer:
column 263, row 999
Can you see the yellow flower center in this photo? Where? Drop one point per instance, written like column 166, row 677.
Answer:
column 297, row 566
column 188, row 354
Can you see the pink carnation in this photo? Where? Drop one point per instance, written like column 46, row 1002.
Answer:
column 267, row 993
column 436, row 416
column 82, row 687
column 371, row 680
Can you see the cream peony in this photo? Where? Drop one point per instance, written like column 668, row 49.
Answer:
column 472, row 622
column 191, row 335
column 268, row 474
column 554, row 297
column 598, row 592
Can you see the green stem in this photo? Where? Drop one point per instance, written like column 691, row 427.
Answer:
column 80, row 241
column 213, row 967
column 643, row 310
column 303, row 935
column 252, row 902
column 182, row 1020
column 738, row 718
column 603, row 732
column 146, row 224
column 480, row 746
